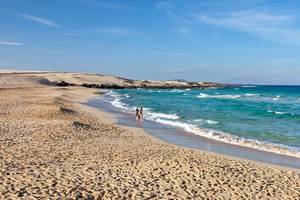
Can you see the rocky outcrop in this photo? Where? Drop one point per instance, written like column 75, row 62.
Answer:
column 146, row 84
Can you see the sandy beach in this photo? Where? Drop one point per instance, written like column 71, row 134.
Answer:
column 54, row 147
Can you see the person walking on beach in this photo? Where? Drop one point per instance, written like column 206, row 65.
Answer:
column 137, row 114
column 141, row 113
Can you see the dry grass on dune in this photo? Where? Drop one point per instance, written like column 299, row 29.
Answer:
column 51, row 149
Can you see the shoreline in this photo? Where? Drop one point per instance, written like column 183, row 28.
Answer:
column 217, row 135
column 148, row 131
column 54, row 146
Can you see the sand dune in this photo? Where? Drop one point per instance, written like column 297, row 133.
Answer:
column 10, row 78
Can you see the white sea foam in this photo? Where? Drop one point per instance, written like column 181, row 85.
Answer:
column 249, row 86
column 156, row 115
column 117, row 101
column 276, row 98
column 201, row 121
column 224, row 96
column 176, row 90
column 198, row 120
column 228, row 96
column 186, row 126
column 211, row 121
column 148, row 113
column 231, row 139
column 202, row 95
column 188, row 89
column 251, row 95
column 277, row 112
column 280, row 112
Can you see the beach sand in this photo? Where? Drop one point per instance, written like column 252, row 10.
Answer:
column 53, row 147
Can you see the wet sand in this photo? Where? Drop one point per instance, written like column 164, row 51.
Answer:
column 54, row 147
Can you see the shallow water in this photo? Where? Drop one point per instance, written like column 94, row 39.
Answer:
column 264, row 117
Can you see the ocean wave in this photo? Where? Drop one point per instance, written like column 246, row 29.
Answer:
column 198, row 120
column 156, row 115
column 252, row 95
column 249, row 86
column 116, row 101
column 228, row 96
column 201, row 121
column 148, row 113
column 248, row 96
column 176, row 90
column 276, row 98
column 211, row 121
column 153, row 90
column 280, row 113
column 202, row 95
column 276, row 112
column 232, row 139
column 185, row 126
column 224, row 96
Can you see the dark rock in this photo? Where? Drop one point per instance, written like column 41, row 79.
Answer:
column 67, row 110
column 81, row 125
column 63, row 84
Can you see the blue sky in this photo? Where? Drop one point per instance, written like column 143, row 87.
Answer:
column 255, row 41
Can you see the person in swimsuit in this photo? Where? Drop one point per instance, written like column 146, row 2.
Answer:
column 141, row 113
column 137, row 114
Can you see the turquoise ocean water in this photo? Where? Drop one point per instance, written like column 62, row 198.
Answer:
column 261, row 117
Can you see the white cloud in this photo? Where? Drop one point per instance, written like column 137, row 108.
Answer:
column 110, row 31
column 11, row 43
column 258, row 22
column 182, row 23
column 246, row 19
column 39, row 20
column 268, row 20
column 167, row 8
